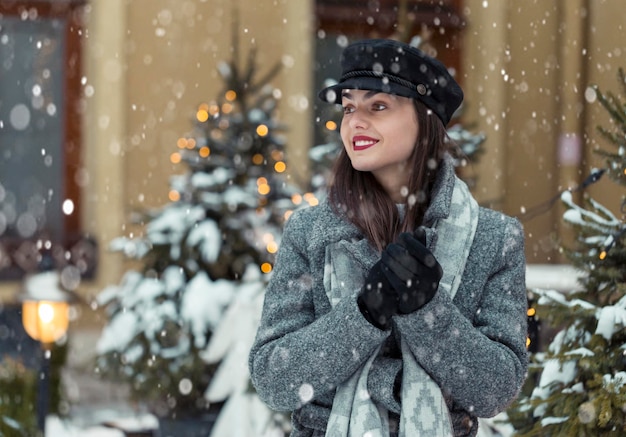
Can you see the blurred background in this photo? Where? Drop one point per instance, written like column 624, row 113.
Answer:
column 95, row 96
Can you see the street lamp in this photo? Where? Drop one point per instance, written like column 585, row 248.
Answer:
column 45, row 316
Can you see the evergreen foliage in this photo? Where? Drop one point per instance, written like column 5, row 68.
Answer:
column 199, row 253
column 580, row 380
column 18, row 391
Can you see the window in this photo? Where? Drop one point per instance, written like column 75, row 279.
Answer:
column 438, row 20
column 40, row 134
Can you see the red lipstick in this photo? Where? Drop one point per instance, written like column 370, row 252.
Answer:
column 362, row 142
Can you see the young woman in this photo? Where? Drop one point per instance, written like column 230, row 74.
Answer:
column 398, row 305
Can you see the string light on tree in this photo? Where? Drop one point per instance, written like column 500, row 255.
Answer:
column 277, row 155
column 175, row 158
column 280, row 167
column 611, row 242
column 181, row 143
column 204, row 151
column 296, row 199
column 258, row 159
column 263, row 186
column 203, row 113
column 311, row 199
column 230, row 95
column 270, row 244
column 533, row 329
column 262, row 130
column 173, row 196
column 213, row 110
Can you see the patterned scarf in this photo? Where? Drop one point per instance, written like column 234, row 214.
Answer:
column 424, row 411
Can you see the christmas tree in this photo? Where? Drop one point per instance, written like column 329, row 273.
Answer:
column 581, row 377
column 180, row 327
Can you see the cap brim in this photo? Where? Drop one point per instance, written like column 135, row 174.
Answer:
column 332, row 94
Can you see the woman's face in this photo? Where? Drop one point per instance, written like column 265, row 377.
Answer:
column 379, row 132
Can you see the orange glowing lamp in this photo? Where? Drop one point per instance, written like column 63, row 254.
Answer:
column 45, row 307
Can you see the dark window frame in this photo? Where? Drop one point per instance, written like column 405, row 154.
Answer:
column 20, row 256
column 380, row 18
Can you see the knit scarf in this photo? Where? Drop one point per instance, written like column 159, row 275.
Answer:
column 423, row 408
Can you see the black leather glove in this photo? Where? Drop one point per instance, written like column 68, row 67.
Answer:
column 412, row 270
column 377, row 300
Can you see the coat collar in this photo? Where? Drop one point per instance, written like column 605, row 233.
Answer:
column 441, row 196
column 333, row 227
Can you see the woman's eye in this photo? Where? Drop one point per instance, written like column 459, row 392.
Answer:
column 348, row 109
column 379, row 106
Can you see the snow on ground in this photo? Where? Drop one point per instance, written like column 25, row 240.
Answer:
column 560, row 277
column 57, row 427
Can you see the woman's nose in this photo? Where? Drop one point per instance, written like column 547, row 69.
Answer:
column 358, row 119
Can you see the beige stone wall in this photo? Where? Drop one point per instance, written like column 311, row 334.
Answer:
column 607, row 53
column 105, row 127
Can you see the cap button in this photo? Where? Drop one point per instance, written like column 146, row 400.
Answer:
column 421, row 89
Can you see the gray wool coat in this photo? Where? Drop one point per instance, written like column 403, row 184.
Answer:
column 474, row 346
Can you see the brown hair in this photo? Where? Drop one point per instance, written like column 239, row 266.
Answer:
column 359, row 197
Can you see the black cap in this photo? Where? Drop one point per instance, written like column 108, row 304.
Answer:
column 394, row 67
